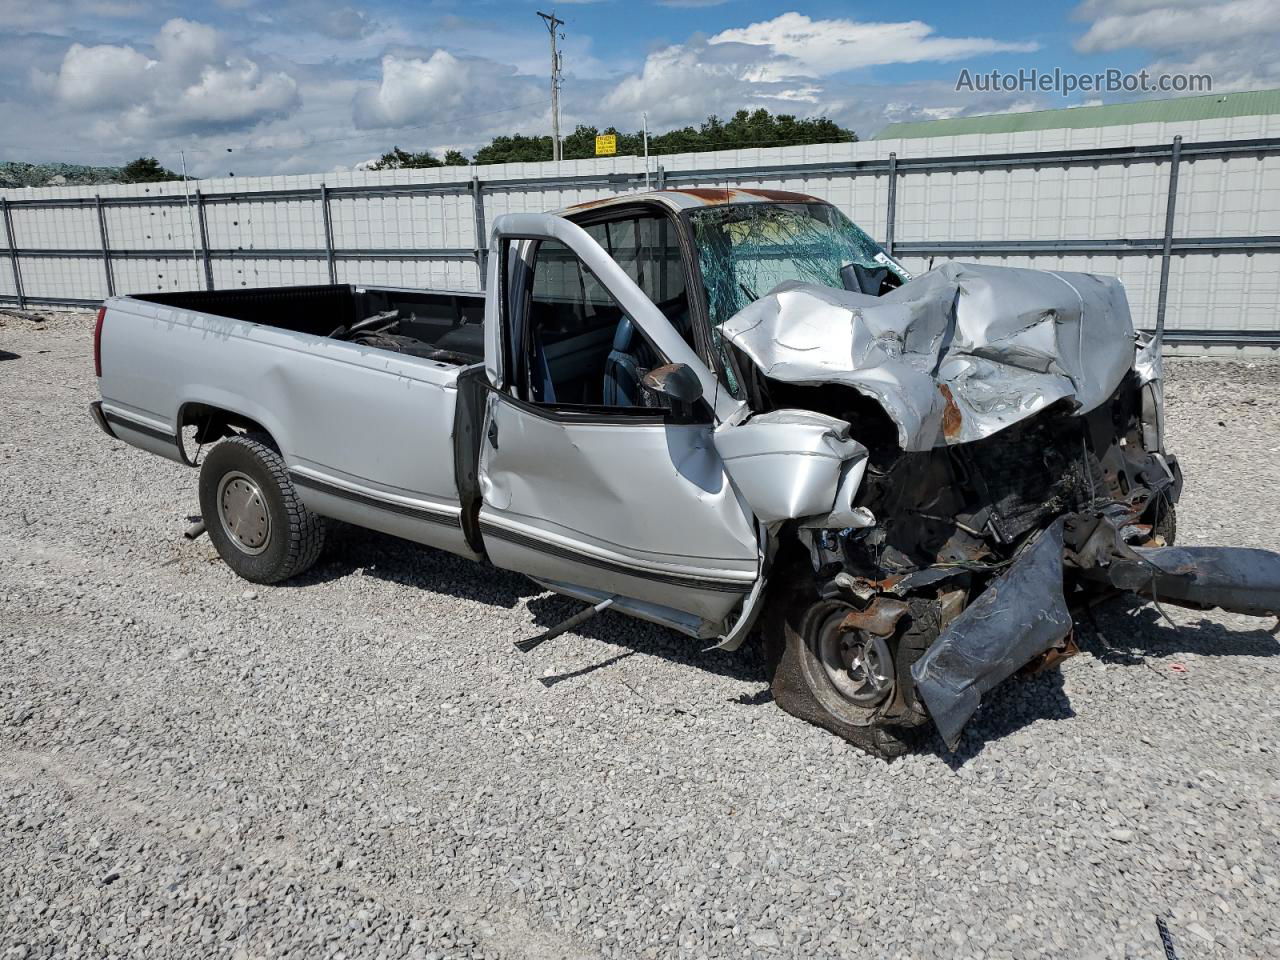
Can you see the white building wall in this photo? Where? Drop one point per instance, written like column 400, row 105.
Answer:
column 1236, row 197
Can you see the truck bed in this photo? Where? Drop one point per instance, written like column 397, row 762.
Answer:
column 364, row 421
column 446, row 320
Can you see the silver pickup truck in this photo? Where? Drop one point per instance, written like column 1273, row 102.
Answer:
column 730, row 412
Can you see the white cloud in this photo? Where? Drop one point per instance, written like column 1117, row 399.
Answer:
column 823, row 47
column 344, row 23
column 780, row 64
column 192, row 83
column 1173, row 24
column 101, row 76
column 1233, row 41
column 445, row 89
column 684, row 83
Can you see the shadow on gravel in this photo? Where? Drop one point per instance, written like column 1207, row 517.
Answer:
column 641, row 637
column 348, row 549
column 1124, row 629
column 1016, row 703
column 6, row 355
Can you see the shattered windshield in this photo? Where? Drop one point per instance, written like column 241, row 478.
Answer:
column 747, row 249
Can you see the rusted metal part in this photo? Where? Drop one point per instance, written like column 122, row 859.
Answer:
column 880, row 619
column 592, row 204
column 952, row 421
column 707, row 194
column 950, row 605
column 704, row 196
column 1052, row 657
column 778, row 196
column 864, row 588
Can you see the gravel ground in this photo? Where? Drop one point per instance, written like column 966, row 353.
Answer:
column 360, row 764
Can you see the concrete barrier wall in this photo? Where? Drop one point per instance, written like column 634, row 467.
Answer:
column 417, row 228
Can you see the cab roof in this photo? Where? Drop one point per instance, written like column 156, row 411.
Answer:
column 689, row 198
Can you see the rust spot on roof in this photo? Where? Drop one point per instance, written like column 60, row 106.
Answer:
column 951, row 418
column 709, row 194
column 779, row 196
column 588, row 204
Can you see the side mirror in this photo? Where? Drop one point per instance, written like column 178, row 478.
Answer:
column 674, row 380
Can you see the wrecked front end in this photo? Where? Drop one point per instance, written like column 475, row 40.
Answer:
column 955, row 464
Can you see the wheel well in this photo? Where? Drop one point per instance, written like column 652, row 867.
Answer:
column 211, row 424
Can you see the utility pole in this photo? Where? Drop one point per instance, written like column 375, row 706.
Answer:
column 645, row 118
column 557, row 64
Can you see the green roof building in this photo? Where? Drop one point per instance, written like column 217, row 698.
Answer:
column 1217, row 106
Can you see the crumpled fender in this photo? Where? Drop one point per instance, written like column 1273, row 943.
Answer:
column 1018, row 617
column 791, row 464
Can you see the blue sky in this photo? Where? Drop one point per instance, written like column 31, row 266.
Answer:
column 312, row 85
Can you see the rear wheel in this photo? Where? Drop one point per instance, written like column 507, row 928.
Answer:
column 254, row 517
column 852, row 682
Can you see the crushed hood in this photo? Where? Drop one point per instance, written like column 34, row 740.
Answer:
column 954, row 355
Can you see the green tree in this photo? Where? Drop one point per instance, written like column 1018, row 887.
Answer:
column 747, row 128
column 516, row 148
column 455, row 158
column 146, row 170
column 397, row 159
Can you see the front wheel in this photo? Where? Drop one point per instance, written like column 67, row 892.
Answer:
column 257, row 523
column 854, row 683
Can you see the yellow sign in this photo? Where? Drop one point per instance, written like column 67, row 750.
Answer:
column 606, row 144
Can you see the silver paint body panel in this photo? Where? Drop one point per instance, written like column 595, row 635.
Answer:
column 349, row 419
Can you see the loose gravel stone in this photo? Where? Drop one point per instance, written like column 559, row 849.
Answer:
column 359, row 764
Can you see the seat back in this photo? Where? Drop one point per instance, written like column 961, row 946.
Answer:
column 622, row 368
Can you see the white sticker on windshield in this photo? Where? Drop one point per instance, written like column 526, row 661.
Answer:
column 882, row 258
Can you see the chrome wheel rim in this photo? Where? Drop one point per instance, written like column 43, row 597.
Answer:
column 242, row 509
column 858, row 666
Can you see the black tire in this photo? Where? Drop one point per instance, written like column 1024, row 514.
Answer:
column 801, row 688
column 293, row 535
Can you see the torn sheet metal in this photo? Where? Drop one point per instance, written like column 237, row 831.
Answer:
column 792, row 463
column 1148, row 364
column 1021, row 614
column 1239, row 579
column 954, row 355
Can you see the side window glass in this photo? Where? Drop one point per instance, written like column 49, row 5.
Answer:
column 580, row 348
column 647, row 247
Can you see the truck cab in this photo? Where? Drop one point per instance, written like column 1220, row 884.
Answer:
column 591, row 480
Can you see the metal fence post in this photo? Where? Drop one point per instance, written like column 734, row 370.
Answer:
column 328, row 234
column 1175, row 157
column 662, row 177
column 482, row 242
column 106, row 247
column 891, row 213
column 204, row 241
column 13, row 252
